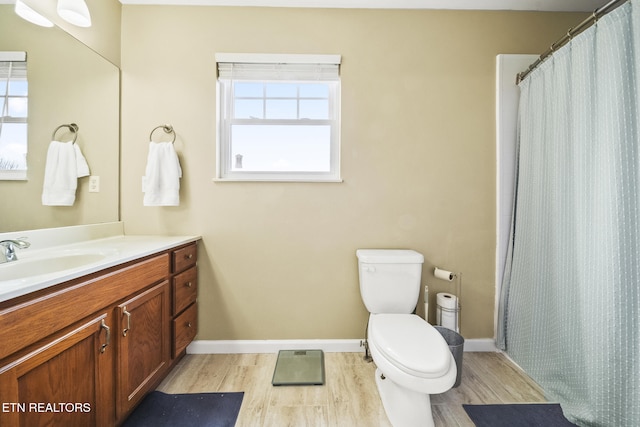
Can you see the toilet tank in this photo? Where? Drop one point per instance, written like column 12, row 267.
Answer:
column 389, row 279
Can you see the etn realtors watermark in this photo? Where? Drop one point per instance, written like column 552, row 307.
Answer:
column 32, row 407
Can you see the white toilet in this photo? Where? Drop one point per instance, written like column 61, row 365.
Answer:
column 413, row 360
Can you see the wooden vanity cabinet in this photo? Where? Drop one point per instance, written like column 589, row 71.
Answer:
column 85, row 352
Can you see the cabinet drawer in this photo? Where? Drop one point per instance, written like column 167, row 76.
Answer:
column 185, row 328
column 185, row 289
column 184, row 258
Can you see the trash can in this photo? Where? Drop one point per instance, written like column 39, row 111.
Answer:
column 455, row 341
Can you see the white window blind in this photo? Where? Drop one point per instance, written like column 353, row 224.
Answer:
column 277, row 67
column 11, row 69
column 304, row 72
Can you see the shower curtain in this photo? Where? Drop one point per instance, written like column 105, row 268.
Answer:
column 570, row 296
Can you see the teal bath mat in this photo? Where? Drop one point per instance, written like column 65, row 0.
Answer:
column 299, row 367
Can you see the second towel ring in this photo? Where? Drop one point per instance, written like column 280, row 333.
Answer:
column 167, row 129
column 73, row 128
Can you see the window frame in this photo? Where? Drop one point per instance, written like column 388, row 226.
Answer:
column 225, row 120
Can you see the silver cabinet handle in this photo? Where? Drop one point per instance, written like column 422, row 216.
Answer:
column 125, row 330
column 107, row 338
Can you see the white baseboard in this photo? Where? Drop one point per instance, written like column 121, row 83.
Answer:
column 480, row 345
column 272, row 346
column 328, row 346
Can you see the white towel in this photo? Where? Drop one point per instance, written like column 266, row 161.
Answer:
column 65, row 164
column 162, row 176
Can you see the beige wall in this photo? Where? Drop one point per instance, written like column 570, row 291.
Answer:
column 277, row 260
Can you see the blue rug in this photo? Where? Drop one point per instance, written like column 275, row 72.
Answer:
column 518, row 415
column 194, row 410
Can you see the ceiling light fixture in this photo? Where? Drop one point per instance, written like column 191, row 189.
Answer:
column 28, row 14
column 75, row 12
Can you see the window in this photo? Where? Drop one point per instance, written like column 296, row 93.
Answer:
column 278, row 117
column 13, row 115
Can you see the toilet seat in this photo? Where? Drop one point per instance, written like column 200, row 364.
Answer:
column 411, row 344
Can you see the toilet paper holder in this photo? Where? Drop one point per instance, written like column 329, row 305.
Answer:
column 456, row 310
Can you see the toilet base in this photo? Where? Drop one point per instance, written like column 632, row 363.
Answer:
column 404, row 407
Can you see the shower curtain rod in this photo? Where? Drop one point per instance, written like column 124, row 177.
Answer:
column 597, row 14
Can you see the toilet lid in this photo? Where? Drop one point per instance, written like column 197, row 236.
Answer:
column 411, row 344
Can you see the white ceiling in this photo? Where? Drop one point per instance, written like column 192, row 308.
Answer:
column 541, row 5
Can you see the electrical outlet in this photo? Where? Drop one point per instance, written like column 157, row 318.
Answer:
column 94, row 184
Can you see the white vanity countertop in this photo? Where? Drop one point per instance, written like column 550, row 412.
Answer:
column 110, row 248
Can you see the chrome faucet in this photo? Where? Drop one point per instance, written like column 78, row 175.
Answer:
column 8, row 249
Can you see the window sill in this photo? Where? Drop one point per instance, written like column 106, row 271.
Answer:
column 13, row 175
column 292, row 180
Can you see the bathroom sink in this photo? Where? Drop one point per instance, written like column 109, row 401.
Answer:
column 54, row 263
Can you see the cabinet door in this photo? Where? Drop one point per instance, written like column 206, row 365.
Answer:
column 67, row 381
column 143, row 345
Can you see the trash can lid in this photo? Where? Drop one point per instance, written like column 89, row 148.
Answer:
column 452, row 338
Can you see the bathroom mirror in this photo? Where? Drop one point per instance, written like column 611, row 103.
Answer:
column 68, row 83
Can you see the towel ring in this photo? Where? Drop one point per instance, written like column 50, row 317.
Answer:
column 166, row 129
column 73, row 128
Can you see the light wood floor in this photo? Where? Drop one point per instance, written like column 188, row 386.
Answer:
column 349, row 396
